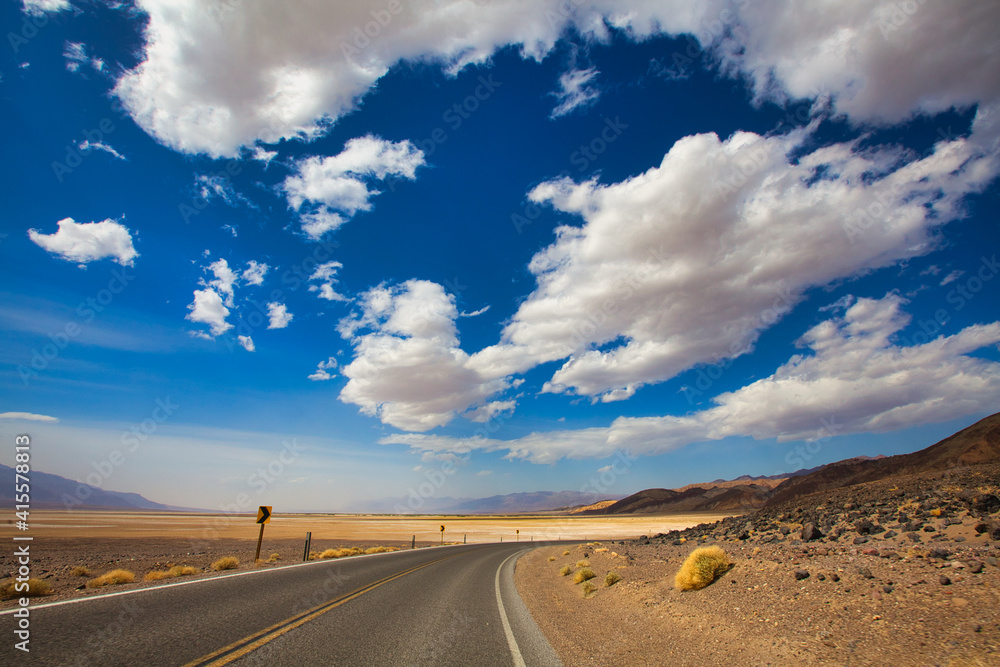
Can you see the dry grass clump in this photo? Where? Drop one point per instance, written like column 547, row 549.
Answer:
column 112, row 578
column 343, row 552
column 566, row 553
column 273, row 557
column 583, row 575
column 612, row 578
column 601, row 550
column 551, row 558
column 588, row 588
column 175, row 571
column 80, row 571
column 702, row 567
column 565, row 569
column 36, row 587
column 583, row 563
column 380, row 550
column 226, row 563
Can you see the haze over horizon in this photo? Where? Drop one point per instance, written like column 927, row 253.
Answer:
column 318, row 256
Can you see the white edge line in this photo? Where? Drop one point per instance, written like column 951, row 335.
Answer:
column 146, row 589
column 515, row 652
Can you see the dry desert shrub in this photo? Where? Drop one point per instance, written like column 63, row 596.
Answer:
column 112, row 578
column 588, row 588
column 702, row 567
column 182, row 571
column 36, row 587
column 583, row 563
column 566, row 553
column 551, row 558
column 612, row 578
column 226, row 563
column 583, row 575
column 380, row 550
column 565, row 569
column 156, row 575
column 331, row 553
column 80, row 571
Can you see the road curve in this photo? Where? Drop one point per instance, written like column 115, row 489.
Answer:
column 439, row 606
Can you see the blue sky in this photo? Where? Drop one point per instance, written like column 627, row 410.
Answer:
column 466, row 250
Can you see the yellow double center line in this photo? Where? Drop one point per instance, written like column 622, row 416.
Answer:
column 237, row 649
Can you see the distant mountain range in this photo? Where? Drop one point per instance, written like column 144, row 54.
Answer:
column 54, row 492
column 511, row 503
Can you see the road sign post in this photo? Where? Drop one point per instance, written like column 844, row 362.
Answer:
column 263, row 516
column 442, row 534
column 309, row 539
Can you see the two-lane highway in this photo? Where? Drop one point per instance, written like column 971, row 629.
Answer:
column 440, row 606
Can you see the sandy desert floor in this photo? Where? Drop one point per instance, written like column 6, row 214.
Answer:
column 142, row 542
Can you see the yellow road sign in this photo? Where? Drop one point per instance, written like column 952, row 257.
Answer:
column 264, row 514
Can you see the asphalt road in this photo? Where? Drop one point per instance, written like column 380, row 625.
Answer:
column 437, row 606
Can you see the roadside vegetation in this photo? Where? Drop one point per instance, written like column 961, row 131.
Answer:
column 226, row 563
column 702, row 567
column 112, row 578
column 175, row 571
column 36, row 588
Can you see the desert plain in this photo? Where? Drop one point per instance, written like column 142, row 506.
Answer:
column 143, row 542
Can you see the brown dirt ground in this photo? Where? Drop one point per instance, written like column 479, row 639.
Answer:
column 759, row 614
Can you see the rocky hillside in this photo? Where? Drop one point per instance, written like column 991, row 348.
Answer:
column 979, row 443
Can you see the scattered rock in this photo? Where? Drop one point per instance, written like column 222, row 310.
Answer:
column 939, row 552
column 801, row 574
column 870, row 552
column 887, row 589
column 975, row 566
column 810, row 532
column 866, row 573
column 985, row 503
column 945, row 581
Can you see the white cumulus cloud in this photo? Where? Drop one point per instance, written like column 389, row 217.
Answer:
column 328, row 191
column 688, row 262
column 209, row 84
column 278, row 315
column 255, row 272
column 209, row 308
column 408, row 369
column 246, row 342
column 323, row 369
column 85, row 242
column 852, row 379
